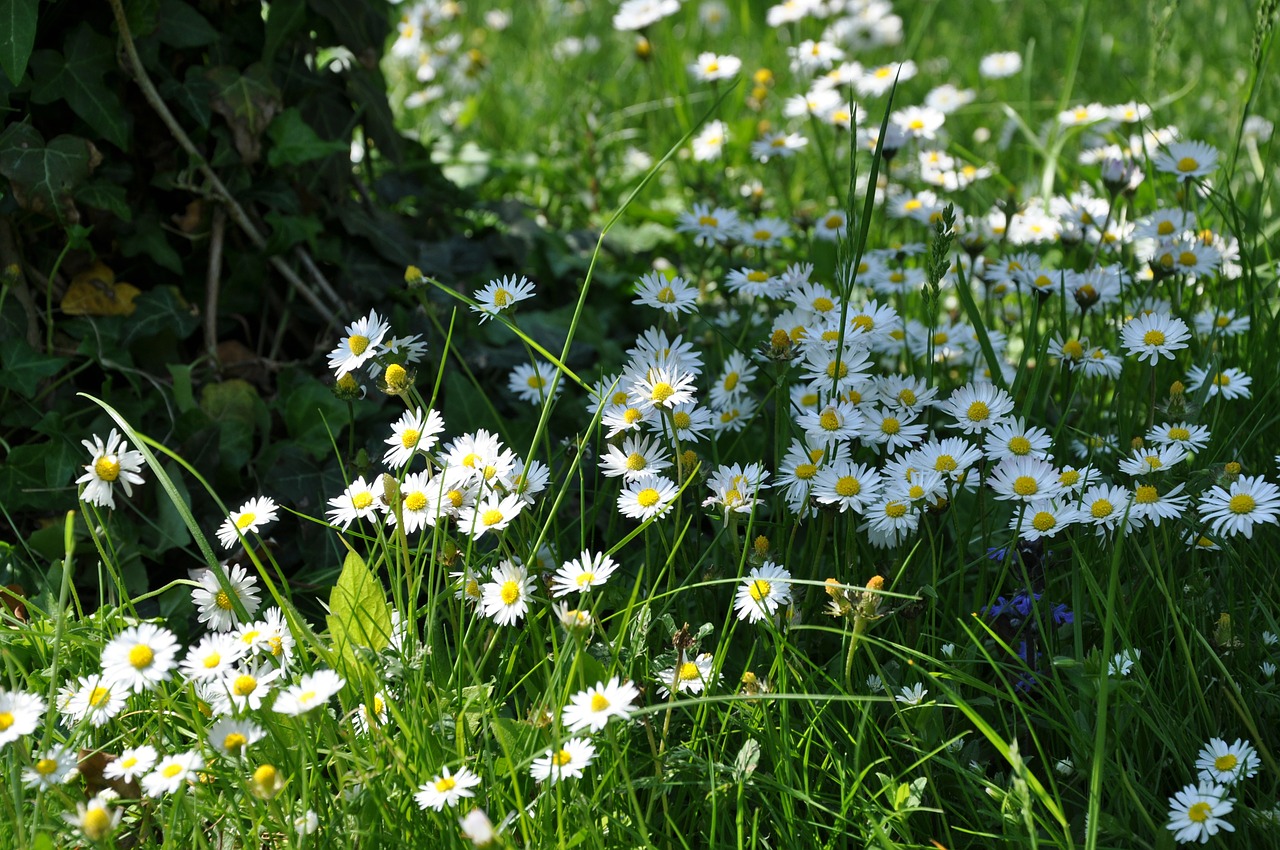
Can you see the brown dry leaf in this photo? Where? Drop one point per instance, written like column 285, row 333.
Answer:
column 95, row 292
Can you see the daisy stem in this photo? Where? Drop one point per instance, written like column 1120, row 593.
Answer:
column 64, row 589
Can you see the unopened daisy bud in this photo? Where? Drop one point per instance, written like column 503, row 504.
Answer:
column 644, row 49
column 688, row 463
column 1177, row 388
column 347, row 388
column 869, row 605
column 390, row 491
column 1136, row 443
column 396, row 380
column 413, row 276
column 1232, row 468
column 761, row 546
column 780, row 343
column 12, row 273
column 266, row 782
column 762, row 77
column 750, row 684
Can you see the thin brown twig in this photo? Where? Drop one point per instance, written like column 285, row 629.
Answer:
column 213, row 282
column 237, row 212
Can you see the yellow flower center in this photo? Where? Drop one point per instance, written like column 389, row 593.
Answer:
column 454, row 497
column 106, row 468
column 244, row 685
column 1199, row 812
column 890, row 425
column 805, row 471
column 415, row 501
column 666, row 295
column 1043, row 521
column 708, row 221
column 632, row 415
column 1179, row 434
column 1025, row 485
column 44, row 767
column 265, row 776
column 647, row 498
column 1221, row 379
column 561, row 758
column 837, row 366
column 493, row 516
column 213, row 659
column 598, row 702
column 847, row 486
column 510, row 592
column 409, row 439
column 940, row 338
column 1241, row 503
column 759, row 589
column 357, row 344
column 1069, row 478
column 535, row 382
column 661, row 392
column 1146, row 495
column 99, row 696
column 730, row 382
column 636, row 462
column 361, row 500
column 1187, row 258
column 916, row 491
column 234, row 741
column 1222, row 321
column 681, row 420
column 1101, row 508
column 895, row 510
column 1188, row 163
column 446, row 784
column 1231, row 468
column 833, row 222
column 1153, row 338
column 141, row 656
column 688, row 672
column 222, row 600
column 761, row 236
column 978, row 412
column 128, row 763
column 945, row 463
column 829, row 420
column 172, row 771
column 96, row 823
column 1020, row 445
column 823, row 304
column 585, row 579
column 6, row 720
column 912, row 205
column 501, row 298
column 1226, row 762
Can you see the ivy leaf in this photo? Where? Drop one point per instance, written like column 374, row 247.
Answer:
column 45, row 176
column 76, row 75
column 284, row 18
column 295, row 142
column 102, row 195
column 18, row 22
column 24, row 367
column 248, row 101
column 180, row 26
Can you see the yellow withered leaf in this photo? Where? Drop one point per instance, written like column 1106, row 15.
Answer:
column 95, row 292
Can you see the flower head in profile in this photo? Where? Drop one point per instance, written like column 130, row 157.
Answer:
column 446, row 789
column 1187, row 160
column 94, row 818
column 252, row 515
column 592, row 708
column 501, row 294
column 361, row 343
column 112, row 462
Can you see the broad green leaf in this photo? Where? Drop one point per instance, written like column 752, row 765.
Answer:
column 358, row 613
column 248, row 101
column 308, row 406
column 25, row 368
column 159, row 311
column 284, row 18
column 235, row 406
column 290, row 230
column 179, row 25
column 102, row 195
column 148, row 237
column 18, row 23
column 77, row 75
column 43, row 176
column 295, row 142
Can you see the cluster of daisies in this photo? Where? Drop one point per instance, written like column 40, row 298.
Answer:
column 238, row 670
column 1197, row 812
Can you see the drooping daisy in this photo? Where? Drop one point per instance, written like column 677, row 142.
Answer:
column 171, row 773
column 216, row 606
column 674, row 296
column 313, row 690
column 50, row 768
column 1248, row 500
column 363, row 337
column 647, row 496
column 1187, row 160
column 370, row 715
column 580, row 574
column 132, row 763
column 1226, row 764
column 567, row 761
column 232, row 736
column 977, row 406
column 690, row 676
column 765, row 589
column 140, row 657
column 911, row 695
column 1153, row 336
column 505, row 597
column 20, row 714
column 446, row 789
column 112, row 462
column 1196, row 812
column 412, row 433
column 592, row 708
column 501, row 294
column 358, row 501
column 252, row 515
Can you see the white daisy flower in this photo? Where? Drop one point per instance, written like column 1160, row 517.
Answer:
column 566, row 761
column 1196, row 812
column 647, row 496
column 1153, row 336
column 505, row 597
column 231, row 736
column 531, row 382
column 499, row 295
column 171, row 773
column 765, row 589
column 580, row 574
column 1226, row 764
column 96, row 699
column 312, row 691
column 361, row 343
column 592, row 708
column 846, row 484
column 140, row 657
column 674, row 296
column 1027, row 479
column 1187, row 160
column 1230, row 383
column 112, row 462
column 996, row 66
column 978, row 406
column 1247, row 501
column 690, row 676
column 412, row 433
column 20, row 714
column 710, row 66
column 446, row 789
column 131, row 764
column 216, row 607
column 50, row 768
column 490, row 514
column 358, row 501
